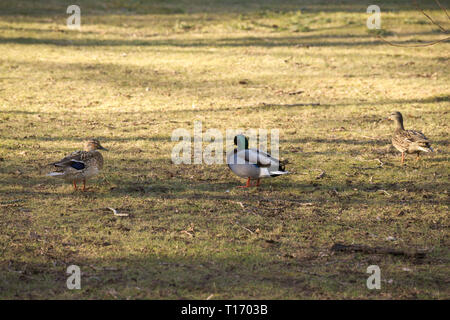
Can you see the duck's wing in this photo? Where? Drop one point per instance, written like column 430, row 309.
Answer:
column 415, row 136
column 412, row 137
column 76, row 160
column 254, row 156
column 411, row 140
column 418, row 141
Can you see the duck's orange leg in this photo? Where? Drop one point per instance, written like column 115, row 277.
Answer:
column 84, row 184
column 418, row 156
column 75, row 184
column 247, row 185
column 403, row 157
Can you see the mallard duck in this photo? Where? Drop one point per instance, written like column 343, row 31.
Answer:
column 252, row 163
column 408, row 141
column 80, row 165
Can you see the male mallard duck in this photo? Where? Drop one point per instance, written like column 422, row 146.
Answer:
column 408, row 141
column 80, row 165
column 252, row 163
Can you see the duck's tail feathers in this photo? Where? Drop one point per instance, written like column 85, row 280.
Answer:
column 425, row 149
column 278, row 173
column 54, row 174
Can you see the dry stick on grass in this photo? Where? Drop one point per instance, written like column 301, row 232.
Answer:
column 429, row 18
column 299, row 202
column 239, row 203
column 118, row 214
column 376, row 250
column 321, row 174
column 381, row 162
column 246, row 209
column 413, row 46
column 247, row 229
column 11, row 203
column 432, row 21
column 385, row 192
column 187, row 232
column 443, row 9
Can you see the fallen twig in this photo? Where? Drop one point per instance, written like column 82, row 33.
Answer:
column 188, row 233
column 376, row 250
column 247, row 229
column 431, row 19
column 385, row 192
column 11, row 205
column 414, row 46
column 240, row 203
column 118, row 214
column 440, row 6
column 321, row 174
column 10, row 202
column 293, row 93
column 444, row 30
column 381, row 162
column 245, row 209
column 233, row 199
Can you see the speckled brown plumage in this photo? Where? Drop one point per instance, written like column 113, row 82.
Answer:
column 408, row 141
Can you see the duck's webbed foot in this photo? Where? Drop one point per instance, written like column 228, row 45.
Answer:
column 247, row 185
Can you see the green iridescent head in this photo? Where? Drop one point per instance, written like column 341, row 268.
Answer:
column 241, row 141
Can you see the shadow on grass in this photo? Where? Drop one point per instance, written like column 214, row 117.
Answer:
column 54, row 8
column 177, row 186
column 281, row 41
column 224, row 275
column 232, row 272
column 256, row 108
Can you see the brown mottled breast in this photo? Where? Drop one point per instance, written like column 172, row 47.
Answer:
column 98, row 158
column 399, row 140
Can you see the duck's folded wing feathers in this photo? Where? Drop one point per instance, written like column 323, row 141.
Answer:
column 415, row 135
column 409, row 136
column 72, row 160
column 257, row 157
column 78, row 165
column 418, row 138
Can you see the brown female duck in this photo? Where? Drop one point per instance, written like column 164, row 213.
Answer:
column 80, row 165
column 408, row 141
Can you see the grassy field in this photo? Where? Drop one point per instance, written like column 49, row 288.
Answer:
column 138, row 70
